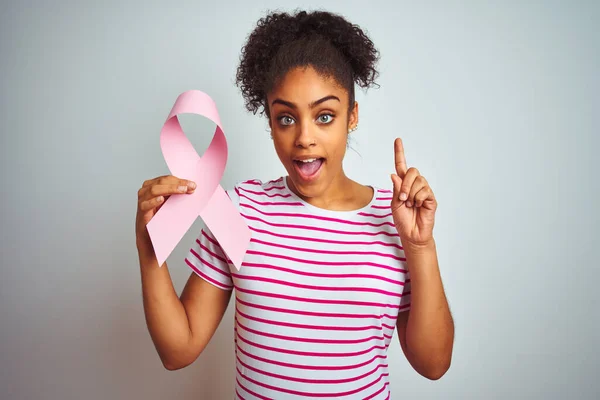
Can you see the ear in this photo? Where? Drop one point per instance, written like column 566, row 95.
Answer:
column 353, row 117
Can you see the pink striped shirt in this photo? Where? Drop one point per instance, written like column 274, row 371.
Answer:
column 317, row 297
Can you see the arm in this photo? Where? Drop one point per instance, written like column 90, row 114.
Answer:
column 180, row 328
column 426, row 331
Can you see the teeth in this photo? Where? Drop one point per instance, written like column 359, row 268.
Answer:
column 309, row 160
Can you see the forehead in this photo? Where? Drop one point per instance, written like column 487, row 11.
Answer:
column 304, row 84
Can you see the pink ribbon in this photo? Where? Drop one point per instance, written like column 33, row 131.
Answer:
column 209, row 200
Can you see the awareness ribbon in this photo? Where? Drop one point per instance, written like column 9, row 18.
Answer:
column 209, row 200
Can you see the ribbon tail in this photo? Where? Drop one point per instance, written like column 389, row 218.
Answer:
column 227, row 225
column 170, row 224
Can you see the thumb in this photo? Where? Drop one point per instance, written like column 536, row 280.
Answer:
column 397, row 181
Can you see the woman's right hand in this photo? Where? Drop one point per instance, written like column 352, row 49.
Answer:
column 151, row 196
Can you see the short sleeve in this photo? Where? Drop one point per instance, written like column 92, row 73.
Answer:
column 405, row 299
column 207, row 260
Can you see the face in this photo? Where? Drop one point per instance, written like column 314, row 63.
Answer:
column 309, row 123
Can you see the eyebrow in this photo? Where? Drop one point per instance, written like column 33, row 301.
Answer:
column 311, row 105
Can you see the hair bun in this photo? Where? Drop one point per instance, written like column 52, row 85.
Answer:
column 276, row 30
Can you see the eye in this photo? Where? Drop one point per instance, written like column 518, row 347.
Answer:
column 285, row 120
column 326, row 118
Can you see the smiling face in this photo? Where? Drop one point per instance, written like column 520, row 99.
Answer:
column 309, row 120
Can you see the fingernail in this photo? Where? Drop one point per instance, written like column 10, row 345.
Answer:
column 182, row 188
column 192, row 185
column 408, row 204
column 403, row 196
column 159, row 199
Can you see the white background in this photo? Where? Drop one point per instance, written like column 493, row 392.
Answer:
column 497, row 103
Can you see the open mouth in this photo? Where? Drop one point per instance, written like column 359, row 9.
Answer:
column 308, row 169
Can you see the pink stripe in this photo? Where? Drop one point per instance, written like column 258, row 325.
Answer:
column 364, row 214
column 310, row 367
column 313, row 228
column 208, row 278
column 209, row 265
column 317, row 217
column 216, row 244
column 215, row 255
column 379, row 391
column 310, row 239
column 318, row 301
column 384, row 191
column 273, row 203
column 310, row 340
column 213, row 241
column 330, row 263
column 308, row 394
column 314, row 287
column 317, row 275
column 273, row 181
column 306, row 250
column 210, row 239
column 274, row 188
column 316, row 314
column 313, row 327
column 381, row 207
column 384, row 198
column 250, row 391
column 239, row 395
column 285, row 196
column 315, row 381
column 308, row 353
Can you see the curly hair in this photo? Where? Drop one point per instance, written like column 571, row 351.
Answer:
column 325, row 41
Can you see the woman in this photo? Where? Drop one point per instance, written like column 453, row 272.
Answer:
column 333, row 266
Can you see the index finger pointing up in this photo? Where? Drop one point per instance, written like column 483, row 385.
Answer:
column 399, row 158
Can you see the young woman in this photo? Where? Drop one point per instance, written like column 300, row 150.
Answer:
column 333, row 265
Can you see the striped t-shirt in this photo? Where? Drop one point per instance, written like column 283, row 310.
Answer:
column 316, row 298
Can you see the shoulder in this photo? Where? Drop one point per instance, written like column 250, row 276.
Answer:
column 253, row 187
column 379, row 208
column 382, row 194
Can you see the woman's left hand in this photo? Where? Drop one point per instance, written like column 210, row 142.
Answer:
column 413, row 202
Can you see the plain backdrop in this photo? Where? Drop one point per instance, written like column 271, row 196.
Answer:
column 497, row 103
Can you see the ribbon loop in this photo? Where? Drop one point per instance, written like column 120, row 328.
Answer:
column 209, row 200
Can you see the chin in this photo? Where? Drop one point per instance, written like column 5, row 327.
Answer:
column 313, row 188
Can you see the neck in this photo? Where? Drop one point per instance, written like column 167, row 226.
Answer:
column 342, row 194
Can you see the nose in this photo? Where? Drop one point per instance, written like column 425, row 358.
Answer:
column 305, row 137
